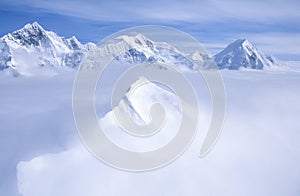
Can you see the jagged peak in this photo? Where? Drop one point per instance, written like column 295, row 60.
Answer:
column 73, row 38
column 29, row 29
column 30, row 34
column 134, row 38
column 133, row 35
column 199, row 56
column 242, row 40
column 240, row 43
column 139, row 82
column 33, row 26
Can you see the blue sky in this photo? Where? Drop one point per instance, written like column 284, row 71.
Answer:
column 273, row 26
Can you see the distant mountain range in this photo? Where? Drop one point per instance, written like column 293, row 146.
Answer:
column 26, row 51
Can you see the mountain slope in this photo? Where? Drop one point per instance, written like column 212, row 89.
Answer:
column 242, row 54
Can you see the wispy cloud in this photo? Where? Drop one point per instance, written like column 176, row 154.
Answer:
column 188, row 10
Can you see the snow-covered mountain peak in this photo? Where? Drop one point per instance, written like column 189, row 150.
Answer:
column 137, row 48
column 27, row 50
column 74, row 44
column 246, row 45
column 244, row 42
column 140, row 81
column 136, row 42
column 241, row 44
column 30, row 34
column 139, row 41
column 240, row 41
column 242, row 54
column 139, row 105
column 136, row 39
column 34, row 26
column 199, row 56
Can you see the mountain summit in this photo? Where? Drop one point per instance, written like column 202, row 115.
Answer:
column 242, row 54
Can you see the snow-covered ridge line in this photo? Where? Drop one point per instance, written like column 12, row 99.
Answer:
column 35, row 51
